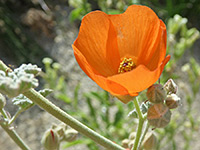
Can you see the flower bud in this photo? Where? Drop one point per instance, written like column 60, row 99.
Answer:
column 159, row 115
column 60, row 129
column 125, row 143
column 172, row 101
column 56, row 66
column 2, row 101
column 156, row 93
column 170, row 87
column 149, row 142
column 132, row 136
column 47, row 61
column 50, row 140
column 70, row 135
column 131, row 143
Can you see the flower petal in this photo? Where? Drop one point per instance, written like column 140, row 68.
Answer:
column 140, row 78
column 103, row 82
column 137, row 30
column 97, row 41
column 160, row 51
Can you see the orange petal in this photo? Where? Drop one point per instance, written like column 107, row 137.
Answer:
column 103, row 82
column 158, row 52
column 137, row 30
column 140, row 78
column 97, row 41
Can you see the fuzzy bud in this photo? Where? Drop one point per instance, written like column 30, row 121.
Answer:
column 70, row 135
column 172, row 101
column 131, row 143
column 47, row 61
column 156, row 93
column 149, row 141
column 2, row 101
column 159, row 115
column 125, row 143
column 60, row 129
column 171, row 87
column 132, row 136
column 50, row 140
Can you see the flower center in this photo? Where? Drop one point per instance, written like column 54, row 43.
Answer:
column 126, row 65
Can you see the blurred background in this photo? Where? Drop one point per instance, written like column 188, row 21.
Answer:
column 42, row 32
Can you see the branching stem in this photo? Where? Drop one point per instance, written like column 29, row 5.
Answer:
column 12, row 133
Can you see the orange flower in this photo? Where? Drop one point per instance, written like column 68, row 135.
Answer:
column 125, row 53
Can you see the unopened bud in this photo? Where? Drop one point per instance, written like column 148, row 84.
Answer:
column 132, row 136
column 60, row 129
column 50, row 140
column 56, row 66
column 172, row 101
column 156, row 93
column 149, row 141
column 159, row 115
column 47, row 61
column 131, row 143
column 2, row 101
column 125, row 143
column 170, row 87
column 70, row 135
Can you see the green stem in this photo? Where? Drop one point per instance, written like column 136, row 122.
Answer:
column 15, row 116
column 44, row 103
column 4, row 114
column 140, row 125
column 4, row 67
column 144, row 133
column 12, row 133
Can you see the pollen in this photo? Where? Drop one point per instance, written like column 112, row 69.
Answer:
column 126, row 65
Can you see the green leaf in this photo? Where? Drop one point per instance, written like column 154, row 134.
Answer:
column 94, row 95
column 81, row 141
column 118, row 117
column 114, row 11
column 133, row 114
column 22, row 101
column 63, row 97
column 76, row 14
column 143, row 108
column 76, row 92
column 45, row 92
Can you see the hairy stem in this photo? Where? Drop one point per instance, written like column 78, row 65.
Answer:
column 12, row 133
column 144, row 133
column 140, row 125
column 15, row 116
column 45, row 104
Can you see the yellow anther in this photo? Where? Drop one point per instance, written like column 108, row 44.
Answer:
column 126, row 65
